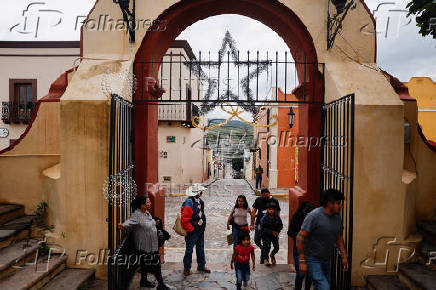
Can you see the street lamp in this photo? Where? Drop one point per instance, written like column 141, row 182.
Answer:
column 291, row 116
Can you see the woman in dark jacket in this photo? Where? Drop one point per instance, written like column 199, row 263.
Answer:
column 294, row 229
column 143, row 228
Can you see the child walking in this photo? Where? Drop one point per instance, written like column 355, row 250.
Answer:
column 241, row 259
column 270, row 227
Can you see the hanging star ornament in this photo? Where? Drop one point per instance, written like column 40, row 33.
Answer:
column 212, row 84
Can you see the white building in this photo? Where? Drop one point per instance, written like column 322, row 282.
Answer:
column 27, row 70
column 182, row 158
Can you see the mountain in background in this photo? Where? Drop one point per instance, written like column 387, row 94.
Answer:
column 234, row 132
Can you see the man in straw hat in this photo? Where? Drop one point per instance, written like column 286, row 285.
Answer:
column 193, row 221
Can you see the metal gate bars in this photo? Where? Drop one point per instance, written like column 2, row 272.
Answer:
column 337, row 168
column 119, row 190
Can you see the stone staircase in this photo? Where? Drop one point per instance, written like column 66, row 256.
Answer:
column 21, row 266
column 419, row 274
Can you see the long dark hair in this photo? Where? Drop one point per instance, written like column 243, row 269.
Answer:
column 245, row 206
column 138, row 201
column 305, row 207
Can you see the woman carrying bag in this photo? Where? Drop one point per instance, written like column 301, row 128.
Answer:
column 238, row 218
column 145, row 236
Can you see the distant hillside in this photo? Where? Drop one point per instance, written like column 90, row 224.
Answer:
column 237, row 130
column 231, row 123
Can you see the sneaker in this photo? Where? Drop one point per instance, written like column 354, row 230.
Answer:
column 205, row 270
column 273, row 259
column 186, row 272
column 266, row 262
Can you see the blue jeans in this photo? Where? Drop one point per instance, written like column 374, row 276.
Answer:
column 196, row 238
column 319, row 271
column 258, row 181
column 299, row 278
column 235, row 232
column 266, row 247
column 242, row 274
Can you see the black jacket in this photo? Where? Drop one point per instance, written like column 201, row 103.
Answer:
column 269, row 225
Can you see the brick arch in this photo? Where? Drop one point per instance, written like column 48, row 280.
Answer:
column 271, row 13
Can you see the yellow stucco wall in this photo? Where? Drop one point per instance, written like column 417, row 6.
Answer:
column 379, row 195
column 423, row 89
column 21, row 178
column 420, row 160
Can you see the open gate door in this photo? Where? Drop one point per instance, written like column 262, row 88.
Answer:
column 337, row 167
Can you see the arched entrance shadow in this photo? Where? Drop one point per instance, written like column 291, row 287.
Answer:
column 273, row 14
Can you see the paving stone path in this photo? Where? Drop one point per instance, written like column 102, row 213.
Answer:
column 219, row 200
column 222, row 277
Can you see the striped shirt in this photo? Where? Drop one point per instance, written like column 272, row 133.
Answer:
column 143, row 228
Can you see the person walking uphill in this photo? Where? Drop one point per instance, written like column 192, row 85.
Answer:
column 193, row 220
column 258, row 171
column 321, row 229
column 145, row 238
column 259, row 207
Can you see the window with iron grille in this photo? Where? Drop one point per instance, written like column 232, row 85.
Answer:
column 22, row 101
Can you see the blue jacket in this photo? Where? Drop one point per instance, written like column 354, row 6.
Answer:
column 270, row 225
column 190, row 215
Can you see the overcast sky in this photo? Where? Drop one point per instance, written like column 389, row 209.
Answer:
column 401, row 50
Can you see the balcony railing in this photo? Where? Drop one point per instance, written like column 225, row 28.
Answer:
column 17, row 112
column 179, row 112
column 174, row 112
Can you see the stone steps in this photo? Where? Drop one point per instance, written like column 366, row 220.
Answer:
column 385, row 282
column 97, row 285
column 10, row 212
column 71, row 279
column 34, row 276
column 16, row 255
column 418, row 276
column 15, row 230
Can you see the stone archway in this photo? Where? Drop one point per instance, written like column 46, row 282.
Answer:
column 273, row 14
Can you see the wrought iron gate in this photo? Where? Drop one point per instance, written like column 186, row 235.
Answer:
column 337, row 168
column 119, row 190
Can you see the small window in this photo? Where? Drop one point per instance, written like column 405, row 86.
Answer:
column 166, row 178
column 171, row 139
column 22, row 101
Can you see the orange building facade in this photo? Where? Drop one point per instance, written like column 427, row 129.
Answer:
column 278, row 154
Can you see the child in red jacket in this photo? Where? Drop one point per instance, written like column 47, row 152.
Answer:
column 241, row 259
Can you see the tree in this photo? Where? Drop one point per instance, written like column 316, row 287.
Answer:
column 425, row 11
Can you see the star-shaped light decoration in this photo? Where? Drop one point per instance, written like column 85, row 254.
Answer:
column 259, row 67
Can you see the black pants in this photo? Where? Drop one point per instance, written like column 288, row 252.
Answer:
column 258, row 181
column 258, row 238
column 150, row 263
column 266, row 247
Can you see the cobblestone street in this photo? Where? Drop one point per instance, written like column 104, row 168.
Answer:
column 219, row 200
column 222, row 277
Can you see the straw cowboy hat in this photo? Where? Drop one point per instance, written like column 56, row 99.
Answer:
column 195, row 189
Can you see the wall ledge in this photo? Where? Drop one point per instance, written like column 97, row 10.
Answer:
column 430, row 144
column 53, row 172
